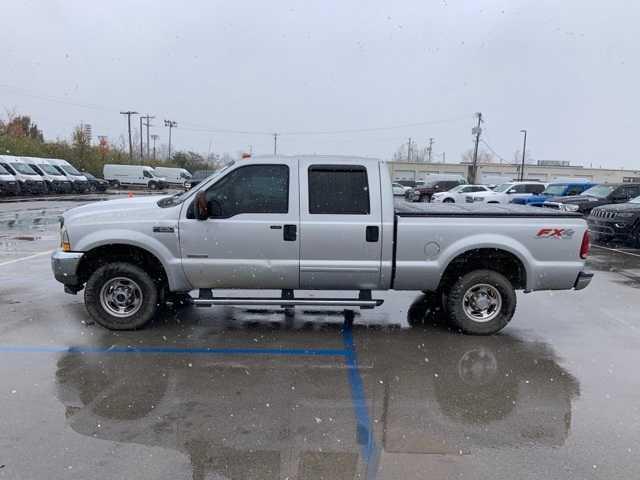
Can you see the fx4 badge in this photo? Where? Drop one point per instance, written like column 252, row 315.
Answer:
column 561, row 233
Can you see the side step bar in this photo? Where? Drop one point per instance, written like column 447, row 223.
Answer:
column 325, row 302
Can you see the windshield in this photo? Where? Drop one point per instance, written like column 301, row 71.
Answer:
column 46, row 168
column 24, row 169
column 600, row 191
column 457, row 188
column 503, row 188
column 635, row 200
column 555, row 190
column 71, row 170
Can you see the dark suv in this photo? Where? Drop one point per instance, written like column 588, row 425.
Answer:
column 619, row 222
column 426, row 191
column 603, row 194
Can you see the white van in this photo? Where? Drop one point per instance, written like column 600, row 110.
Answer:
column 8, row 183
column 54, row 180
column 28, row 179
column 174, row 176
column 139, row 175
column 78, row 180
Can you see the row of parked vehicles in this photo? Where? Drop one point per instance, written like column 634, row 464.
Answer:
column 38, row 176
column 43, row 176
column 612, row 210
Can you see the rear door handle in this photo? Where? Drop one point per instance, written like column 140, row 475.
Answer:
column 372, row 233
column 290, row 233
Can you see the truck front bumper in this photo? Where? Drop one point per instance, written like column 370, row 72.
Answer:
column 65, row 269
column 584, row 279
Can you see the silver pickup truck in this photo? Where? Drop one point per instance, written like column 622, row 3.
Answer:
column 313, row 223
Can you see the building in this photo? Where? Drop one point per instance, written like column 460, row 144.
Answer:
column 503, row 172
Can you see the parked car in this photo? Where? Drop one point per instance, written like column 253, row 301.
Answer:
column 424, row 192
column 617, row 222
column 458, row 194
column 55, row 182
column 174, row 176
column 28, row 180
column 96, row 184
column 399, row 189
column 128, row 254
column 603, row 194
column 78, row 180
column 8, row 183
column 555, row 189
column 200, row 175
column 509, row 191
column 133, row 175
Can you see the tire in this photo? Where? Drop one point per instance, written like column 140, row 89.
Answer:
column 493, row 290
column 448, row 200
column 152, row 186
column 101, row 295
column 116, row 184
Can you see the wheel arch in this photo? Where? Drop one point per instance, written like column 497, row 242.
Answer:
column 496, row 258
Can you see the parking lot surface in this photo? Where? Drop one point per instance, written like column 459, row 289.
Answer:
column 251, row 393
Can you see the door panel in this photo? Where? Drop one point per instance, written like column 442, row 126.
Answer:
column 335, row 211
column 256, row 249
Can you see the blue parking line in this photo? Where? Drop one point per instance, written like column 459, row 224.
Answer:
column 325, row 352
column 364, row 432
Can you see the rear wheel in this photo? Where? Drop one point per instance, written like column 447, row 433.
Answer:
column 121, row 296
column 116, row 184
column 482, row 302
column 448, row 200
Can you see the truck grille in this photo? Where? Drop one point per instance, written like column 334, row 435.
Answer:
column 599, row 213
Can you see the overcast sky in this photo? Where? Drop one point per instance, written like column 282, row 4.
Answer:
column 568, row 72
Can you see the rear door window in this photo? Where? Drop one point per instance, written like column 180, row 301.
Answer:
column 338, row 190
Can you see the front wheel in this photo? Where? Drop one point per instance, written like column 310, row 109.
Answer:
column 121, row 296
column 482, row 302
column 448, row 200
column 153, row 186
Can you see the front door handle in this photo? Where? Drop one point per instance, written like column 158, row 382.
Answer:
column 290, row 233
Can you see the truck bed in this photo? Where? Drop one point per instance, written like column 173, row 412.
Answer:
column 420, row 209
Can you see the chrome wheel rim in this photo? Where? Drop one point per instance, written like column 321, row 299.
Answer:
column 482, row 302
column 121, row 297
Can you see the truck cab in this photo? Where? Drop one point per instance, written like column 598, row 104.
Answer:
column 55, row 181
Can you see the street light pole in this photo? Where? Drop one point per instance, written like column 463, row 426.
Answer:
column 171, row 124
column 524, row 149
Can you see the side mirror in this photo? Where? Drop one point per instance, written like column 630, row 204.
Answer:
column 201, row 208
column 511, row 190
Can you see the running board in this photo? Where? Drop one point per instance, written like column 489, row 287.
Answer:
column 324, row 302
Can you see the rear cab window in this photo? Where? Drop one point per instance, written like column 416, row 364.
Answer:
column 338, row 190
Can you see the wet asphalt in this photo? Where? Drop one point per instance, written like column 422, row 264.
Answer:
column 251, row 393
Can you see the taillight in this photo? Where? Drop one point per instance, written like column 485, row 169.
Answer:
column 584, row 247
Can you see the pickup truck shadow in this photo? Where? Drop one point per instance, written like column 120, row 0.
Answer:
column 264, row 417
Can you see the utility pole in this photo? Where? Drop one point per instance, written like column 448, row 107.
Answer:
column 476, row 131
column 154, row 137
column 128, row 114
column 444, row 156
column 429, row 149
column 171, row 124
column 524, row 149
column 275, row 144
column 409, row 151
column 147, row 124
column 141, row 142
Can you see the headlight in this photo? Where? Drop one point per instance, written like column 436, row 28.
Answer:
column 625, row 215
column 569, row 207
